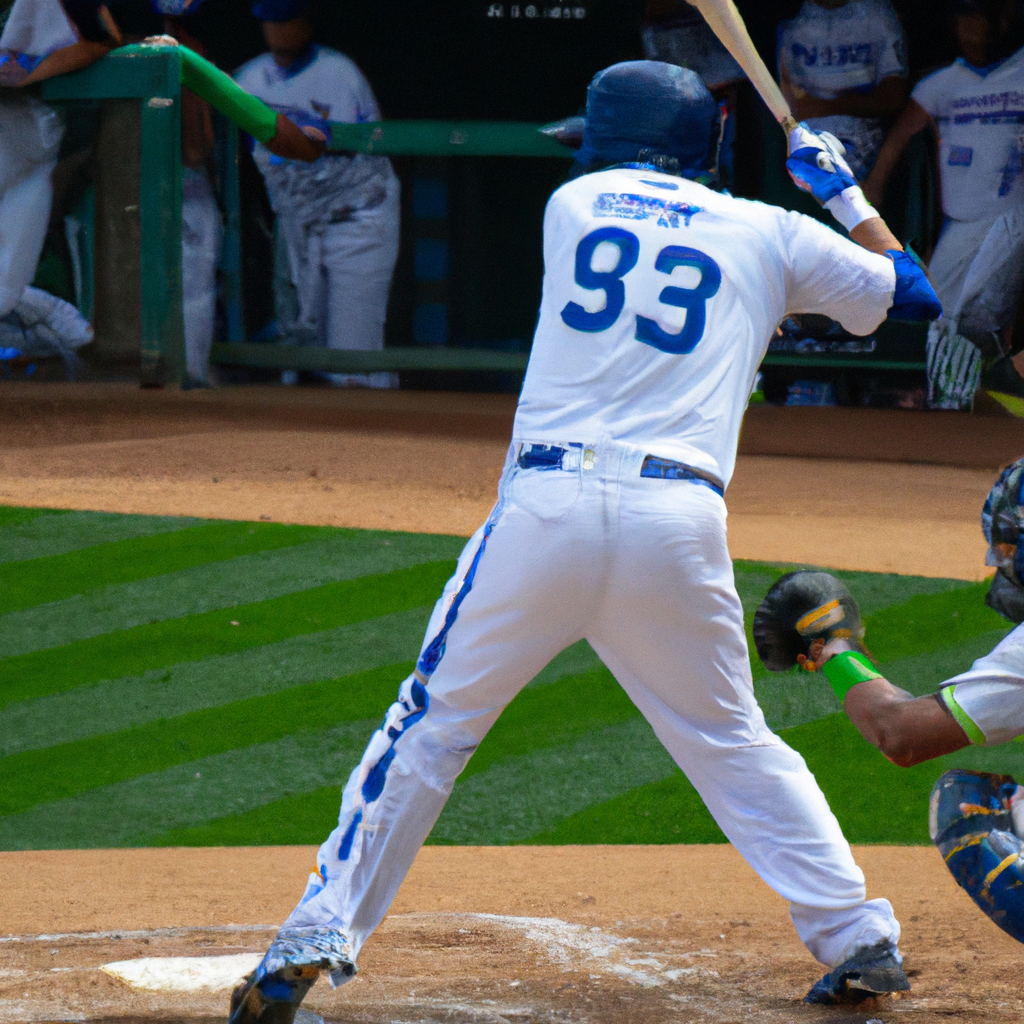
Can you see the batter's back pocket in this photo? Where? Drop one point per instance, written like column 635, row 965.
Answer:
column 547, row 494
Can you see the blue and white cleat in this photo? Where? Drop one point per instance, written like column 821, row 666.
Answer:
column 273, row 992
column 871, row 971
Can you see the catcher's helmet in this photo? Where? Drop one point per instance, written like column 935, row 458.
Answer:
column 1002, row 520
column 651, row 111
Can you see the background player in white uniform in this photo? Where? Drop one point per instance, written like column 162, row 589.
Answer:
column 39, row 40
column 659, row 299
column 977, row 107
column 202, row 225
column 339, row 218
column 843, row 69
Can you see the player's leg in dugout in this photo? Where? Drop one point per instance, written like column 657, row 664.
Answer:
column 202, row 234
column 359, row 258
column 30, row 134
column 513, row 603
column 672, row 633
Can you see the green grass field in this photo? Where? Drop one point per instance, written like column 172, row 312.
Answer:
column 169, row 681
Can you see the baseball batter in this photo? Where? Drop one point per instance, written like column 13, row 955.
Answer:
column 338, row 219
column 976, row 105
column 660, row 296
column 976, row 818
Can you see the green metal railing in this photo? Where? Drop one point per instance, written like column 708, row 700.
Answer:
column 154, row 79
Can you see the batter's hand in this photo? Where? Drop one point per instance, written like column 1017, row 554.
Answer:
column 817, row 163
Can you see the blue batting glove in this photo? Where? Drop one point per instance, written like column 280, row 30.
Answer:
column 817, row 163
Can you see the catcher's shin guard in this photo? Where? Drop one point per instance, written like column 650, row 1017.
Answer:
column 871, row 971
column 971, row 822
column 273, row 992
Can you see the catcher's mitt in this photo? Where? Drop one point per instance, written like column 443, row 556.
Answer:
column 802, row 607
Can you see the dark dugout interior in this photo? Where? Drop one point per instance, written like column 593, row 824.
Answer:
column 472, row 59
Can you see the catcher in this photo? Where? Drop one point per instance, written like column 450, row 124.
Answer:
column 975, row 818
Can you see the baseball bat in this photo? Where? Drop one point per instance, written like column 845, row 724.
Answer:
column 725, row 21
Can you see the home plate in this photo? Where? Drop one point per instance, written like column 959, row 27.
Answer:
column 184, row 973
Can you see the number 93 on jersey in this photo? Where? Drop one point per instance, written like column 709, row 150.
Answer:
column 607, row 261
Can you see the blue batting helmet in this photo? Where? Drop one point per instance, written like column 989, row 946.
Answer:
column 654, row 108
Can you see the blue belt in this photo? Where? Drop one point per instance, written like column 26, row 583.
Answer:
column 550, row 456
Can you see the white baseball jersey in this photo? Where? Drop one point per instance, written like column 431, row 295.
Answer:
column 34, row 30
column 988, row 699
column 828, row 52
column 325, row 85
column 659, row 299
column 980, row 118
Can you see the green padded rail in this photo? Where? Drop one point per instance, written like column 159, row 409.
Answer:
column 447, row 138
column 331, row 360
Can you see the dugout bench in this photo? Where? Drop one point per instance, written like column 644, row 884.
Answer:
column 153, row 78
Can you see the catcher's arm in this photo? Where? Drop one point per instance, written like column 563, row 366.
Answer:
column 907, row 729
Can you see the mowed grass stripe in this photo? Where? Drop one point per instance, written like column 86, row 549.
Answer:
column 292, row 820
column 118, row 704
column 12, row 516
column 509, row 800
column 242, row 580
column 519, row 797
column 135, row 812
column 536, row 719
column 195, row 637
column 56, row 532
column 667, row 811
column 43, row 776
column 54, row 578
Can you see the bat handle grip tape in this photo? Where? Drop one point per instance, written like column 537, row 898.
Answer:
column 789, row 124
column 846, row 670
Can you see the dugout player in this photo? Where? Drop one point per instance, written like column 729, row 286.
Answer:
column 338, row 219
column 843, row 68
column 40, row 39
column 660, row 296
column 976, row 105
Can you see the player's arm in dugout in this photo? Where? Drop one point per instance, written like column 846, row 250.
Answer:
column 280, row 135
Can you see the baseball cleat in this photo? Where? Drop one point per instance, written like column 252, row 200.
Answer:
column 871, row 971
column 273, row 992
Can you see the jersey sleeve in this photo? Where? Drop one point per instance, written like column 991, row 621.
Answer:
column 33, row 30
column 930, row 93
column 892, row 47
column 988, row 699
column 366, row 108
column 828, row 274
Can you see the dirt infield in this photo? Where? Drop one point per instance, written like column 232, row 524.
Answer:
column 816, row 485
column 589, row 934
column 495, row 934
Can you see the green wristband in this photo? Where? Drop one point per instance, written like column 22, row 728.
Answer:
column 252, row 115
column 846, row 670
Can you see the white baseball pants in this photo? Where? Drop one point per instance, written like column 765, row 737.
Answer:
column 638, row 567
column 342, row 276
column 202, row 235
column 30, row 134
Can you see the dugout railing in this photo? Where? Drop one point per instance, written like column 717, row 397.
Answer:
column 153, row 78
